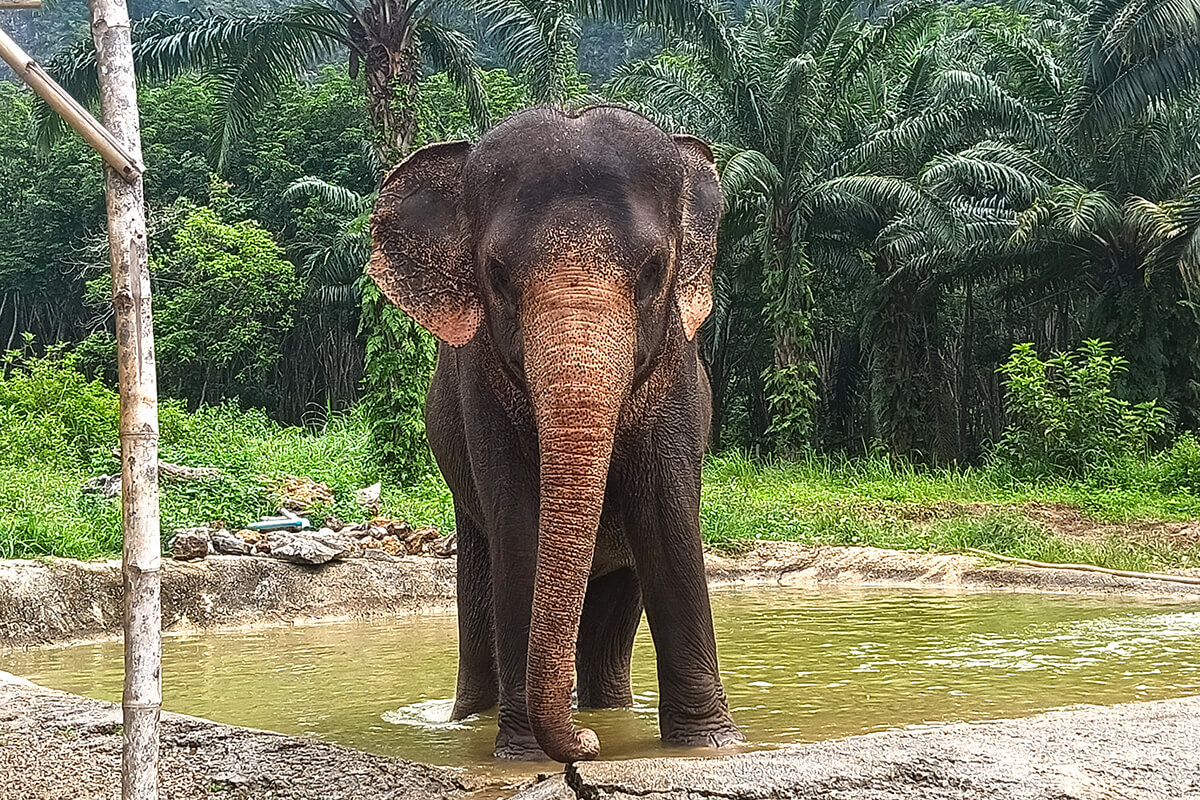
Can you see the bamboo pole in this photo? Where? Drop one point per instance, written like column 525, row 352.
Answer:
column 97, row 135
column 142, row 698
column 1120, row 573
column 7, row 4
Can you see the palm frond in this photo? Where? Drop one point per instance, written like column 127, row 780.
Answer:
column 452, row 52
column 247, row 58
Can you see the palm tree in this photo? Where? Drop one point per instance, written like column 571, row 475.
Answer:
column 540, row 40
column 332, row 268
column 782, row 93
column 248, row 58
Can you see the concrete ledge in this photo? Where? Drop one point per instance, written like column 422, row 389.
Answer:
column 61, row 600
column 1137, row 751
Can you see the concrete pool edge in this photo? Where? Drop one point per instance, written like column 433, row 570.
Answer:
column 58, row 745
column 58, row 601
column 1135, row 751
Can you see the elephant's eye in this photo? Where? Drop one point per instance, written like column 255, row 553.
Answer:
column 501, row 283
column 651, row 277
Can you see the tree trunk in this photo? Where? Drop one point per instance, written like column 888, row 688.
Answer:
column 393, row 67
column 142, row 698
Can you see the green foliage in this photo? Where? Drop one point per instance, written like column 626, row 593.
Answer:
column 58, row 429
column 224, row 298
column 443, row 116
column 1063, row 416
column 400, row 358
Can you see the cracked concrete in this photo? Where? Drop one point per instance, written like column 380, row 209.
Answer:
column 1138, row 751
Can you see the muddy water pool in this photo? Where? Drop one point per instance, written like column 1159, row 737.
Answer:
column 798, row 666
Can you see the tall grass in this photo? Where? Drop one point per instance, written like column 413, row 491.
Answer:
column 57, row 430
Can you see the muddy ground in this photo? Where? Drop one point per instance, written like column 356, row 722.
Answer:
column 61, row 600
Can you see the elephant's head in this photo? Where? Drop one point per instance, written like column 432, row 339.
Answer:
column 585, row 245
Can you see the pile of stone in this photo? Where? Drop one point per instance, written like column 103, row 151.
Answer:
column 378, row 539
column 290, row 537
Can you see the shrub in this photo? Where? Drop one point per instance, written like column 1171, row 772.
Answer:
column 1063, row 418
column 400, row 358
column 1179, row 466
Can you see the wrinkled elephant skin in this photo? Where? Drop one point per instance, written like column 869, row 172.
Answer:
column 565, row 263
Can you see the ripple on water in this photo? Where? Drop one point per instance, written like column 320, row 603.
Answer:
column 429, row 714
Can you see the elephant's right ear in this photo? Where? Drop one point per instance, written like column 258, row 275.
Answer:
column 420, row 258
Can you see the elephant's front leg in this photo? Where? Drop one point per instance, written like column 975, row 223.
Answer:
column 477, row 683
column 514, row 561
column 663, row 501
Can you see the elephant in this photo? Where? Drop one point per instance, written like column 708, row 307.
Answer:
column 565, row 264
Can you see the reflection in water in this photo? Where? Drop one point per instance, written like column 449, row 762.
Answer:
column 798, row 666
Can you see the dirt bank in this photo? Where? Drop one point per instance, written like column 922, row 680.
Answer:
column 58, row 746
column 61, row 600
column 1141, row 751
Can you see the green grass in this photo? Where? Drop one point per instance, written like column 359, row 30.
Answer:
column 57, row 430
column 875, row 503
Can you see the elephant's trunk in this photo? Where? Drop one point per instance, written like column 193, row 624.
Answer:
column 578, row 340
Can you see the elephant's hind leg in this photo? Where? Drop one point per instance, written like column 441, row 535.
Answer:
column 477, row 685
column 612, row 610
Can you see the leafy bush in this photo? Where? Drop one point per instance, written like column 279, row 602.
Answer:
column 1179, row 466
column 1063, row 418
column 400, row 357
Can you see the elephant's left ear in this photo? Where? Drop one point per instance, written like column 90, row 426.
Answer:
column 701, row 216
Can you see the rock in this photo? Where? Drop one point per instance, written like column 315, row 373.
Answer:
column 248, row 536
column 445, row 547
column 395, row 527
column 334, row 524
column 378, row 533
column 104, row 485
column 417, row 540
column 368, row 498
column 190, row 543
column 231, row 544
column 370, row 543
column 376, row 554
column 297, row 493
column 391, row 544
column 308, row 548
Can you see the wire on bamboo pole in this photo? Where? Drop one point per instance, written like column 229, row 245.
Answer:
column 7, row 4
column 1120, row 573
column 142, row 556
column 97, row 135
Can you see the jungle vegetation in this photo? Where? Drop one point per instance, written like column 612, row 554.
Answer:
column 960, row 237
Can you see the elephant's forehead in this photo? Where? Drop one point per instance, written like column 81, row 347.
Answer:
column 542, row 158
column 574, row 230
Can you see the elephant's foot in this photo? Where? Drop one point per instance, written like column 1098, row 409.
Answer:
column 715, row 733
column 466, row 705
column 473, row 696
column 515, row 746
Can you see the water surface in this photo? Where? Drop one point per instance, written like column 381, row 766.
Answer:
column 798, row 666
